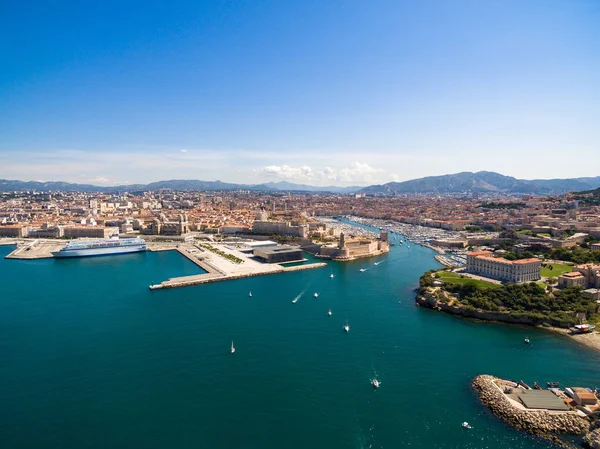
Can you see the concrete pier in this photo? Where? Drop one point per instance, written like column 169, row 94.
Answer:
column 36, row 249
column 215, row 277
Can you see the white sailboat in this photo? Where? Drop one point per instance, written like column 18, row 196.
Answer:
column 316, row 295
column 346, row 327
column 232, row 347
column 375, row 383
column 329, row 312
column 331, row 275
column 250, row 294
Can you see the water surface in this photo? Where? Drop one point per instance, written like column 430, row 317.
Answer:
column 92, row 359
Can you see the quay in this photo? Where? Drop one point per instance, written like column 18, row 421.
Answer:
column 218, row 268
column 35, row 249
column 198, row 279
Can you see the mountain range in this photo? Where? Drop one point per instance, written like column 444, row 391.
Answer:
column 175, row 184
column 464, row 182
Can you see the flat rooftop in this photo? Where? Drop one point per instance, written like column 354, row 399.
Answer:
column 278, row 249
column 542, row 399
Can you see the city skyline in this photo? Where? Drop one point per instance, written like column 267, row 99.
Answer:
column 342, row 93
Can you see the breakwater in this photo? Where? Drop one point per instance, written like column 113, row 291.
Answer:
column 187, row 281
column 539, row 422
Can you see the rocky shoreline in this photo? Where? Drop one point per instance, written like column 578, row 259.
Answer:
column 591, row 340
column 543, row 423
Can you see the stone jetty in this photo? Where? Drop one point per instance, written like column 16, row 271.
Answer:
column 541, row 422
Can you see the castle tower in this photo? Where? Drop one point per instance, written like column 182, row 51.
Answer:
column 342, row 243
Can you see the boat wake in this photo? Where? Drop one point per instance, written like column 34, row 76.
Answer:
column 295, row 300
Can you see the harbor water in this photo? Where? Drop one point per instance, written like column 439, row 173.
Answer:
column 91, row 358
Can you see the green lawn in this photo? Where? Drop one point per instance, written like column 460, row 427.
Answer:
column 557, row 270
column 454, row 278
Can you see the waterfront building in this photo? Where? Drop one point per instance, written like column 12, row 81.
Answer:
column 355, row 248
column 279, row 254
column 595, row 247
column 483, row 263
column 13, row 231
column 96, row 232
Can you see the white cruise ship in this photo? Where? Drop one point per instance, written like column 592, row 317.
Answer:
column 103, row 247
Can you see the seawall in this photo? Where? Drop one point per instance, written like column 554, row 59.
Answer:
column 540, row 422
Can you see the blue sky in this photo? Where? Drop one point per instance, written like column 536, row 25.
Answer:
column 320, row 92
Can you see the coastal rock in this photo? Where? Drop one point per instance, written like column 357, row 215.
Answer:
column 429, row 300
column 538, row 422
column 592, row 439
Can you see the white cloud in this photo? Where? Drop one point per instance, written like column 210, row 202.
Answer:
column 357, row 172
column 184, row 151
column 303, row 173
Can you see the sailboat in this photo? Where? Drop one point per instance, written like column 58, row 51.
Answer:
column 329, row 312
column 375, row 383
column 232, row 347
column 250, row 294
column 331, row 275
column 346, row 327
column 316, row 295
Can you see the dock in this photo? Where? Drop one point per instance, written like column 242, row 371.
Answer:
column 205, row 278
column 36, row 249
column 218, row 268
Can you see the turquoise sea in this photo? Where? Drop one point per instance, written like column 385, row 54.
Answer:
column 90, row 358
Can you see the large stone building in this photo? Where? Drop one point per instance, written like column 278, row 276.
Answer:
column 280, row 228
column 161, row 226
column 97, row 232
column 483, row 263
column 571, row 279
column 13, row 231
column 355, row 248
column 591, row 273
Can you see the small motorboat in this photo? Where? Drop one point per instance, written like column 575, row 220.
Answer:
column 527, row 340
column 466, row 425
column 375, row 383
column 362, row 270
column 329, row 312
column 316, row 295
column 232, row 347
column 553, row 384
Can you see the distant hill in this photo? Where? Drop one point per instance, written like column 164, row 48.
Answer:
column 482, row 182
column 465, row 182
column 174, row 184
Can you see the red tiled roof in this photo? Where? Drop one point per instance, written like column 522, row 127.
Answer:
column 524, row 261
column 478, row 253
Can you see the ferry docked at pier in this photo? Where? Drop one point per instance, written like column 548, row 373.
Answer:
column 102, row 247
